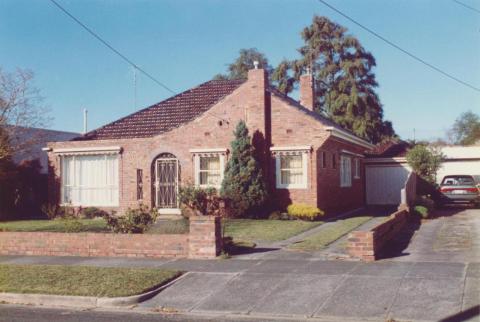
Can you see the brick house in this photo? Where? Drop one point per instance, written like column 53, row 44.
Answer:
column 145, row 156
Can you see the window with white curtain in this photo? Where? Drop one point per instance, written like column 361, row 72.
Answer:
column 209, row 170
column 90, row 180
column 345, row 171
column 291, row 170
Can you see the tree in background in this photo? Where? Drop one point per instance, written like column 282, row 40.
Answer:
column 20, row 106
column 344, row 79
column 466, row 129
column 425, row 161
column 240, row 67
column 243, row 184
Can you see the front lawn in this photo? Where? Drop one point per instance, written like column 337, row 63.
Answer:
column 56, row 225
column 256, row 230
column 81, row 280
column 330, row 234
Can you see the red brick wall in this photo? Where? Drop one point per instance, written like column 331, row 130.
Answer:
column 93, row 244
column 366, row 245
column 277, row 124
column 331, row 196
column 203, row 241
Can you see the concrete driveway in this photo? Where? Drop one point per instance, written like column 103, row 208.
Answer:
column 453, row 237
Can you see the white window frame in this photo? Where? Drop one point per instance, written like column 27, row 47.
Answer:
column 279, row 152
column 357, row 168
column 63, row 200
column 345, row 171
column 199, row 153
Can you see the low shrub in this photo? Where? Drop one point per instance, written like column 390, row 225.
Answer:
column 304, row 212
column 50, row 210
column 201, row 202
column 134, row 221
column 422, row 211
column 92, row 212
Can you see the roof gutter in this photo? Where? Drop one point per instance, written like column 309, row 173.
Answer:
column 344, row 135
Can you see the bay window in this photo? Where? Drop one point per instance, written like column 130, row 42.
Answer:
column 89, row 180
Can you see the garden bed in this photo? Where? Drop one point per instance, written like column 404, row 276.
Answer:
column 82, row 280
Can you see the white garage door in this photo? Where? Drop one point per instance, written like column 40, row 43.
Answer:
column 384, row 183
column 459, row 167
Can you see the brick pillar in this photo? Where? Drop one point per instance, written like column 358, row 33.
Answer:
column 205, row 238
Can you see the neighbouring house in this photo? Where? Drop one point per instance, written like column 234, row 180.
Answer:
column 387, row 170
column 145, row 157
column 32, row 140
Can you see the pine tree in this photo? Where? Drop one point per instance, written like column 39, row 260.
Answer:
column 344, row 79
column 243, row 184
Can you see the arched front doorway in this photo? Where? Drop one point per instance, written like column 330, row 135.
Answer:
column 166, row 174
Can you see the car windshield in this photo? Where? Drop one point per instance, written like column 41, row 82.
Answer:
column 458, row 181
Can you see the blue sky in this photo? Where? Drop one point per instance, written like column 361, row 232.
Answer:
column 184, row 43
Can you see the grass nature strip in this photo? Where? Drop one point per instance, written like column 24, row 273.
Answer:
column 82, row 280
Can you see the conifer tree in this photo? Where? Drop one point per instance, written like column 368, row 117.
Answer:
column 344, row 79
column 243, row 184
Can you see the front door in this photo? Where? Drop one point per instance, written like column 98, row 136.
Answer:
column 166, row 183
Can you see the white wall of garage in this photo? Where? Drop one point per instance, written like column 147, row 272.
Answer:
column 384, row 183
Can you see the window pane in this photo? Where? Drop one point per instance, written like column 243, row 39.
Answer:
column 291, row 169
column 210, row 163
column 211, row 178
column 291, row 162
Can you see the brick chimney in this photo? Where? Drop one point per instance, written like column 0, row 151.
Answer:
column 307, row 90
column 256, row 114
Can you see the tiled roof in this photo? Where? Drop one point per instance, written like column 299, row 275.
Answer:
column 168, row 114
column 390, row 149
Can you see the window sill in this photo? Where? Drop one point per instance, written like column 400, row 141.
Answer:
column 287, row 187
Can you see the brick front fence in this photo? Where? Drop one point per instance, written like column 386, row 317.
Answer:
column 366, row 245
column 203, row 241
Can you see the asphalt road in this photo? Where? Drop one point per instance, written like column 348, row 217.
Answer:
column 12, row 313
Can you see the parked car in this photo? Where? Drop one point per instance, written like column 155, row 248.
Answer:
column 459, row 189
